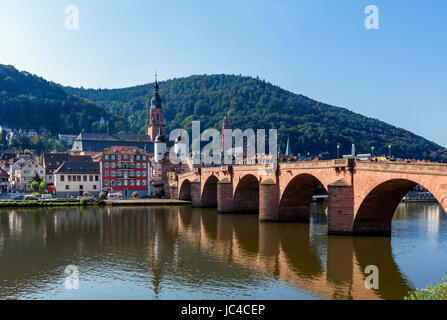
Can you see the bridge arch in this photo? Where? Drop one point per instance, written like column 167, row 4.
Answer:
column 376, row 207
column 209, row 192
column 246, row 194
column 185, row 190
column 297, row 196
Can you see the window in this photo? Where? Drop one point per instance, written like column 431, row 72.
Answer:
column 106, row 173
column 62, row 178
column 107, row 182
column 144, row 173
column 144, row 165
column 138, row 165
column 143, row 182
column 94, row 187
column 96, row 178
column 119, row 158
column 81, row 187
column 113, row 173
column 85, row 178
column 138, row 173
column 112, row 157
column 125, row 157
column 69, row 178
column 138, row 158
column 67, row 187
column 138, row 182
column 90, row 178
column 79, row 178
column 144, row 157
column 119, row 182
column 106, row 164
column 106, row 157
column 113, row 164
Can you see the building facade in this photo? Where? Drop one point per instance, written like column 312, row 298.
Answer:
column 73, row 179
column 4, row 181
column 25, row 173
column 52, row 161
column 126, row 170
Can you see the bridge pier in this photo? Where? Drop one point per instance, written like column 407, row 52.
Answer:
column 196, row 199
column 340, row 219
column 268, row 201
column 225, row 196
column 173, row 192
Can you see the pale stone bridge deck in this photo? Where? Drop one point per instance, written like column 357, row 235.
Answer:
column 362, row 195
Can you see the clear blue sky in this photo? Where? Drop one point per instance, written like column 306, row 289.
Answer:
column 319, row 48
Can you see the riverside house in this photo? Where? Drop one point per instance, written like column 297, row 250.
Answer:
column 73, row 179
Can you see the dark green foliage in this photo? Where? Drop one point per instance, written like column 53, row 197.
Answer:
column 313, row 126
column 30, row 102
column 37, row 143
column 431, row 292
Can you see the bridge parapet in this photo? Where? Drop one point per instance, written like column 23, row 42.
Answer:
column 403, row 167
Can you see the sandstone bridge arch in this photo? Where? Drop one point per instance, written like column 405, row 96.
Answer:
column 362, row 195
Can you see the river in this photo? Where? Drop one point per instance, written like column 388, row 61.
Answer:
column 193, row 253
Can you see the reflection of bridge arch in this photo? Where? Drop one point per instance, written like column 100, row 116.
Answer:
column 378, row 203
column 209, row 192
column 297, row 196
column 246, row 195
column 185, row 190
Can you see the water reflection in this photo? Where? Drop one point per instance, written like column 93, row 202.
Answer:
column 183, row 252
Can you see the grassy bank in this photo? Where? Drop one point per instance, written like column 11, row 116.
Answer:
column 87, row 202
column 432, row 292
column 32, row 204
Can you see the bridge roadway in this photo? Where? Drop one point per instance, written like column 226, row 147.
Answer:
column 362, row 195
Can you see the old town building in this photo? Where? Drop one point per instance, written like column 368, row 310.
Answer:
column 52, row 161
column 26, row 171
column 126, row 170
column 73, row 179
column 4, row 180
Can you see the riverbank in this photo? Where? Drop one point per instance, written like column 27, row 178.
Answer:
column 77, row 203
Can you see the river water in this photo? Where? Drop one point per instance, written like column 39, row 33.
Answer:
column 193, row 253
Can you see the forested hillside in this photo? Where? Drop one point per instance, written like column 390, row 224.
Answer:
column 30, row 102
column 313, row 126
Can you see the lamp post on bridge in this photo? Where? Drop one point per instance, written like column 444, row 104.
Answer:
column 338, row 151
column 389, row 151
column 372, row 152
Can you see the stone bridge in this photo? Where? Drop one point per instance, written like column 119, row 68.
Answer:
column 362, row 195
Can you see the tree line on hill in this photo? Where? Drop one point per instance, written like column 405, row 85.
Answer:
column 313, row 127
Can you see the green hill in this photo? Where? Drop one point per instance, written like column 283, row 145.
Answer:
column 30, row 102
column 313, row 126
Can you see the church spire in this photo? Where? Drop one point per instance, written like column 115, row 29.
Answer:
column 156, row 100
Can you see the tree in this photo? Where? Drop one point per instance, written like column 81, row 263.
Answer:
column 37, row 179
column 34, row 185
column 43, row 186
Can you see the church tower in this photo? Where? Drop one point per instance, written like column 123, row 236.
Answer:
column 156, row 114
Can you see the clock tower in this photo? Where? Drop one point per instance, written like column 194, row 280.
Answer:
column 156, row 114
